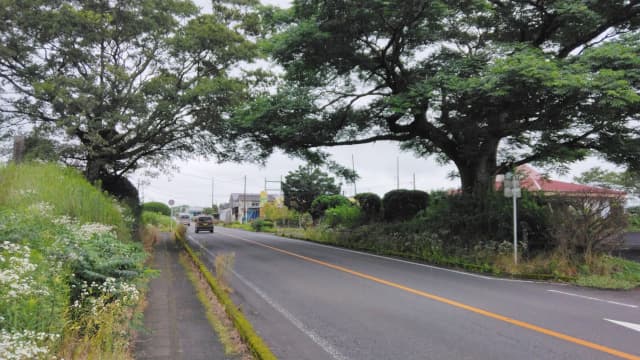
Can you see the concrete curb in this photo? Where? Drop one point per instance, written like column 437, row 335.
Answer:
column 257, row 346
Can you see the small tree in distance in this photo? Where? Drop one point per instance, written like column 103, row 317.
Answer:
column 157, row 207
column 305, row 184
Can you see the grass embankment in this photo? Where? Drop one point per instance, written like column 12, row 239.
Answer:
column 603, row 271
column 161, row 222
column 70, row 273
column 256, row 345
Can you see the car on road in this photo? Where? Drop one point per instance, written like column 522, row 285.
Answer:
column 184, row 219
column 204, row 222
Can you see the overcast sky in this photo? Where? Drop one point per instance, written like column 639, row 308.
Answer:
column 375, row 163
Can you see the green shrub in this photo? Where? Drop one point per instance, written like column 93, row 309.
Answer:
column 371, row 206
column 157, row 207
column 306, row 221
column 402, row 205
column 467, row 221
column 261, row 225
column 588, row 223
column 343, row 215
column 324, row 202
column 634, row 223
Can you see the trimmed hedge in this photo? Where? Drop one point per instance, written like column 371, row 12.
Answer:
column 402, row 205
column 157, row 207
column 324, row 202
column 371, row 206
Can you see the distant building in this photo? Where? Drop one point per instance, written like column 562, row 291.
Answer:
column 533, row 181
column 237, row 205
column 225, row 212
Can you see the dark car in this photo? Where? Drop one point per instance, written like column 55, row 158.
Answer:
column 204, row 222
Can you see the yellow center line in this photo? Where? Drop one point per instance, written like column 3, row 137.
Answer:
column 457, row 304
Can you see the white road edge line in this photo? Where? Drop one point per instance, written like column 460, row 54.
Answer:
column 407, row 262
column 594, row 299
column 629, row 325
column 324, row 344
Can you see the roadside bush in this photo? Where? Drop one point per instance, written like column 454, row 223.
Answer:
column 402, row 205
column 371, row 206
column 466, row 221
column 634, row 223
column 633, row 214
column 324, row 202
column 157, row 207
column 261, row 225
column 343, row 215
column 306, row 221
column 587, row 224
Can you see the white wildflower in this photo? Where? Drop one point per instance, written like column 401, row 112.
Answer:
column 25, row 344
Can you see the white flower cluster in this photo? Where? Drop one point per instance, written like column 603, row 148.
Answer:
column 15, row 271
column 42, row 208
column 88, row 230
column 24, row 345
column 96, row 297
column 64, row 220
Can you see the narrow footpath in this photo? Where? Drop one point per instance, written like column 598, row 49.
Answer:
column 175, row 323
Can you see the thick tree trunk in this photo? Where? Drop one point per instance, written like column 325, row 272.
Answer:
column 478, row 171
column 118, row 186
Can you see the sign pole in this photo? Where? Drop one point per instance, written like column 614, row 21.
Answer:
column 511, row 187
column 515, row 227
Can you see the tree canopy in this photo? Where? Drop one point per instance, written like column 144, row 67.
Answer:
column 302, row 186
column 628, row 181
column 485, row 84
column 126, row 84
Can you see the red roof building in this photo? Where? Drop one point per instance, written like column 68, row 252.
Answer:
column 533, row 181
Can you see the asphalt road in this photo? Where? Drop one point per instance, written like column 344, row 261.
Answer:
column 310, row 301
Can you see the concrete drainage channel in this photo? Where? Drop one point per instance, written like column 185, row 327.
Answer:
column 255, row 343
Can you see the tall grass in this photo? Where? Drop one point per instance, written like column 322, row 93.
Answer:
column 27, row 184
column 70, row 271
column 162, row 222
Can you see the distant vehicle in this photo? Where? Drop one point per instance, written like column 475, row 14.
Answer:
column 204, row 222
column 184, row 219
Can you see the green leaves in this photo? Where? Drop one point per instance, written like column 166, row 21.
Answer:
column 128, row 83
column 484, row 84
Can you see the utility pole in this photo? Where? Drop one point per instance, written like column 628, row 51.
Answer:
column 414, row 181
column 212, row 188
column 353, row 167
column 244, row 198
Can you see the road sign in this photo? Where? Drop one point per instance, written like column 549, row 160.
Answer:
column 171, row 202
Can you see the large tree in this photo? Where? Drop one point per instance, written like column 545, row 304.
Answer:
column 302, row 186
column 126, row 84
column 485, row 84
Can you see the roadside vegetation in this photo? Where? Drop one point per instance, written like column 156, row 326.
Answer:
column 567, row 238
column 71, row 274
column 158, row 220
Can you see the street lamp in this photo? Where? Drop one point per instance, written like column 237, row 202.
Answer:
column 512, row 189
